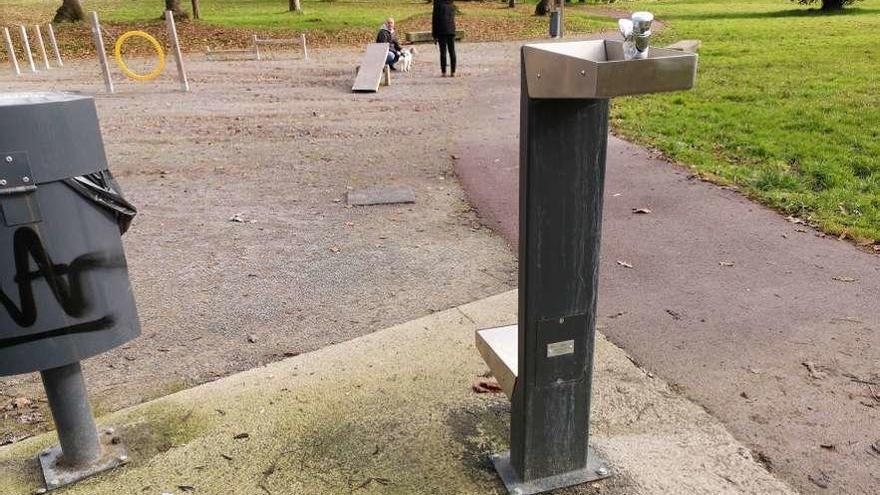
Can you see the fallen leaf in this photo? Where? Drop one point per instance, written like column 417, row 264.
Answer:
column 252, row 339
column 30, row 418
column 624, row 264
column 334, row 249
column 368, row 481
column 241, row 436
column 641, row 211
column 814, row 373
column 844, row 279
column 822, row 480
column 829, row 446
column 673, row 314
column 727, row 263
column 485, row 386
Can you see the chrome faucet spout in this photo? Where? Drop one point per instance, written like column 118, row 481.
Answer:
column 636, row 35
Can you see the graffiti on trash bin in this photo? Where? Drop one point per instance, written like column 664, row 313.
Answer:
column 65, row 282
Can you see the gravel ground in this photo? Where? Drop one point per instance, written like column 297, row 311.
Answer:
column 277, row 143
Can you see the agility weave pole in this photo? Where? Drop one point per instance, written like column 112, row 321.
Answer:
column 42, row 46
column 54, row 44
column 13, row 60
column 175, row 50
column 26, row 46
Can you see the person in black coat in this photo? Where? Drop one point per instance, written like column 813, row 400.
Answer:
column 443, row 32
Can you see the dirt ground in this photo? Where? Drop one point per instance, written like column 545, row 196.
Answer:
column 277, row 143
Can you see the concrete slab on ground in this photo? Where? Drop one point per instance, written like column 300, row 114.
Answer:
column 394, row 413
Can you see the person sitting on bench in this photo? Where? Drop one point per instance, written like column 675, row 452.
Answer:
column 386, row 35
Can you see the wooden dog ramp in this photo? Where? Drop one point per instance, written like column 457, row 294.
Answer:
column 372, row 65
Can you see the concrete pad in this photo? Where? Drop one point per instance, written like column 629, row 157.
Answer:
column 380, row 196
column 393, row 413
column 691, row 46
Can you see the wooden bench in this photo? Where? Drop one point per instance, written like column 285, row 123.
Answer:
column 425, row 36
column 369, row 73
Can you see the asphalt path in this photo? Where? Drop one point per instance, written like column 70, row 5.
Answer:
column 767, row 323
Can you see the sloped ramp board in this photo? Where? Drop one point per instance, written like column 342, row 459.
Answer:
column 370, row 73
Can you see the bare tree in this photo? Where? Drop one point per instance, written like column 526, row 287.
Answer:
column 174, row 7
column 70, row 11
column 542, row 7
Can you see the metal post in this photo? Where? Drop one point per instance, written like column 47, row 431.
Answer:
column 305, row 47
column 257, row 47
column 562, row 174
column 13, row 60
column 54, row 45
column 66, row 392
column 26, row 46
column 175, row 49
column 102, row 53
column 42, row 46
column 563, row 143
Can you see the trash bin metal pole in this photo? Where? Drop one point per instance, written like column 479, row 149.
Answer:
column 562, row 173
column 66, row 391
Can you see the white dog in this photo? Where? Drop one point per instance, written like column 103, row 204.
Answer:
column 407, row 57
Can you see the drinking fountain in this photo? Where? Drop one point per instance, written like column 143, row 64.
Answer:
column 544, row 362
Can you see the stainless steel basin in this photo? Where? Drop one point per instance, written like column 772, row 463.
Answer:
column 597, row 69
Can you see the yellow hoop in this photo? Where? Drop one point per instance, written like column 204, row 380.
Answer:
column 130, row 73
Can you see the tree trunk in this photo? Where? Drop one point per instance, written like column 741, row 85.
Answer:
column 70, row 11
column 829, row 5
column 197, row 9
column 542, row 7
column 295, row 6
column 511, row 3
column 174, row 7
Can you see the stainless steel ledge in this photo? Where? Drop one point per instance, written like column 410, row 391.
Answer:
column 597, row 70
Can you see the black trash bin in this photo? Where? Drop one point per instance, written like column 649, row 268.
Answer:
column 64, row 285
column 64, row 289
column 555, row 24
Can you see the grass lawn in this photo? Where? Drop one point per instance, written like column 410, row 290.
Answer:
column 787, row 106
